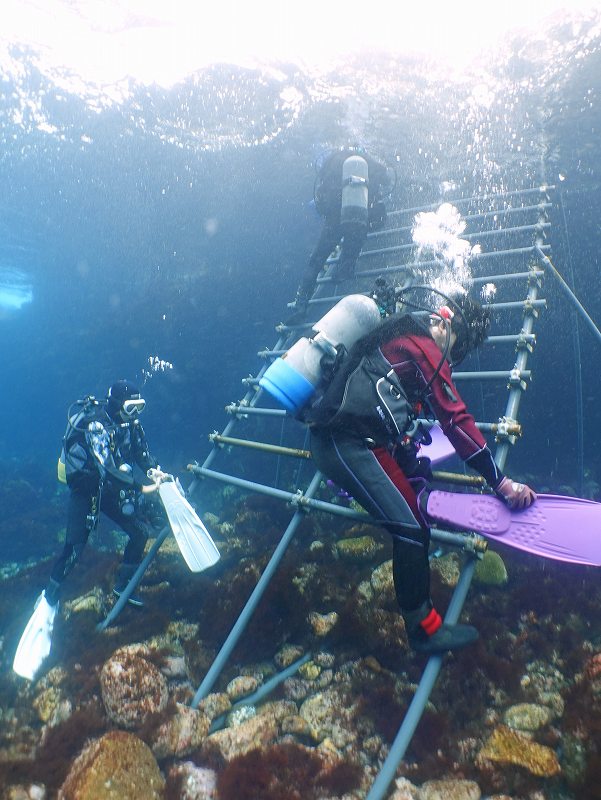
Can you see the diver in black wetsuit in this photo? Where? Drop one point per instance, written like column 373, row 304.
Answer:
column 103, row 443
column 349, row 195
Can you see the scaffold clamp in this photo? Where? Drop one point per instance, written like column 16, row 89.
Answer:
column 508, row 429
column 525, row 342
column 516, row 381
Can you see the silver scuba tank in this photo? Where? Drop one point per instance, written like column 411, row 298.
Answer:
column 355, row 192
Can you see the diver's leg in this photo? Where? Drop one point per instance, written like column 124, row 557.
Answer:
column 82, row 516
column 353, row 239
column 132, row 555
column 375, row 480
column 328, row 239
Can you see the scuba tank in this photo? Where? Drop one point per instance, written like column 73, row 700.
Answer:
column 355, row 192
column 294, row 378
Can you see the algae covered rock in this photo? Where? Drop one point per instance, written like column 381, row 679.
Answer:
column 193, row 783
column 359, row 548
column 288, row 654
column 490, row 570
column 507, row 746
column 132, row 687
column 114, row 767
column 450, row 789
column 527, row 716
column 181, row 733
column 322, row 624
column 448, row 568
column 256, row 732
column 382, row 583
column 241, row 686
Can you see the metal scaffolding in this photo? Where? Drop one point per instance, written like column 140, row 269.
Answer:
column 512, row 230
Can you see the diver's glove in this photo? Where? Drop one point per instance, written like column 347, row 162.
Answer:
column 157, row 476
column 515, row 495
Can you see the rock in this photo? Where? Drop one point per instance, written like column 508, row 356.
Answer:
column 190, row 782
column 404, row 790
column 47, row 702
column 34, row 791
column 322, row 624
column 222, row 746
column 93, row 601
column 490, row 570
column 241, row 686
column 329, row 716
column 448, row 568
column 174, row 667
column 239, row 715
column 114, row 767
column 278, row 709
column 507, row 746
column 288, row 655
column 296, row 725
column 527, row 716
column 132, row 687
column 215, row 705
column 382, row 583
column 449, row 789
column 183, row 732
column 358, row 549
column 310, row 671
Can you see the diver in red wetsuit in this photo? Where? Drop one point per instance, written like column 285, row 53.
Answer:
column 385, row 476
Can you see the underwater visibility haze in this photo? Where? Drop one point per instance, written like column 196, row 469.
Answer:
column 154, row 227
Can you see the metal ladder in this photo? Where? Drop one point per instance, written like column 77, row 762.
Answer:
column 512, row 230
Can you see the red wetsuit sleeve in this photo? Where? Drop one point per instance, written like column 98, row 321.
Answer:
column 415, row 359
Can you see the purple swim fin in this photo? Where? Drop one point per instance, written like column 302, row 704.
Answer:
column 561, row 528
column 439, row 449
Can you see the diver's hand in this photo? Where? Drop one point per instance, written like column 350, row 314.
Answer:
column 157, row 476
column 516, row 495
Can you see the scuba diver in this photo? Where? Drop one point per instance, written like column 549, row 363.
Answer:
column 350, row 190
column 358, row 440
column 103, row 444
column 104, row 461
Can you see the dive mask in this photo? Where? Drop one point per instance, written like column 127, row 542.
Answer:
column 131, row 408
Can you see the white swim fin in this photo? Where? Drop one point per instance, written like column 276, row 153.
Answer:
column 193, row 539
column 34, row 645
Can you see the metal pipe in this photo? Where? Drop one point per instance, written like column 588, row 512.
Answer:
column 508, row 276
column 470, row 217
column 493, row 375
column 491, row 427
column 479, row 198
column 449, row 477
column 489, row 340
column 538, row 226
column 460, row 540
column 570, row 294
column 134, row 580
column 217, row 438
column 263, row 691
column 238, row 410
column 458, row 477
column 517, row 386
column 253, row 601
column 422, row 694
column 514, row 251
